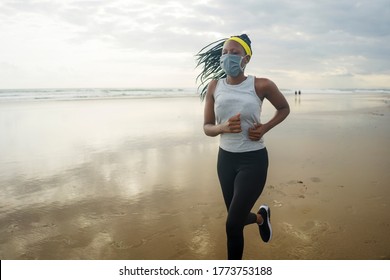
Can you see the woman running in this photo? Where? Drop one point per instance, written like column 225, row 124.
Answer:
column 232, row 110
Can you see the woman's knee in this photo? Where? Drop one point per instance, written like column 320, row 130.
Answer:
column 234, row 227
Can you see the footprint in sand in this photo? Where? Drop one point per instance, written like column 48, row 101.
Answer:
column 297, row 188
column 278, row 193
column 12, row 227
column 315, row 179
column 305, row 238
column 309, row 232
column 200, row 241
column 140, row 243
column 272, row 190
column 290, row 230
column 294, row 182
column 121, row 246
column 277, row 203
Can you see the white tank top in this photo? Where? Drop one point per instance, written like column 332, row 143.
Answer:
column 229, row 100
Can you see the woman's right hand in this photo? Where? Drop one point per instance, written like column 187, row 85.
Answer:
column 233, row 124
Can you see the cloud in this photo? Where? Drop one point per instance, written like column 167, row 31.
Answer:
column 329, row 38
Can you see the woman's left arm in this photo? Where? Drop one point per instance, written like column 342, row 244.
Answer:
column 267, row 89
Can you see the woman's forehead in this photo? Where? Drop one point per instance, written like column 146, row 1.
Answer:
column 233, row 45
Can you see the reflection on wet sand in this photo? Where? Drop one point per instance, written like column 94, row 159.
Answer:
column 104, row 187
column 133, row 203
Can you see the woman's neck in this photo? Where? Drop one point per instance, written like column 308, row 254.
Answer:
column 236, row 80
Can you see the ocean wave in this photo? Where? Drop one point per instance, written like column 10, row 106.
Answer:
column 14, row 95
column 91, row 93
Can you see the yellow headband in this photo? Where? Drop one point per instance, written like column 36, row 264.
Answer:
column 242, row 43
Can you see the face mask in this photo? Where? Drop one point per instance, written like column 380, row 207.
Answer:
column 231, row 64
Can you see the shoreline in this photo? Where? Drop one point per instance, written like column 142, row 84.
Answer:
column 76, row 94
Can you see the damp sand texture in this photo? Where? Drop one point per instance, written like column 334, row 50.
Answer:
column 136, row 179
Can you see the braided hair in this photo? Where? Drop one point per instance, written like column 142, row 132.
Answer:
column 210, row 56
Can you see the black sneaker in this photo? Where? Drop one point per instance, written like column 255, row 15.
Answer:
column 265, row 228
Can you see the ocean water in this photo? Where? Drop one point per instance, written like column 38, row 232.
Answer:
column 91, row 93
column 12, row 95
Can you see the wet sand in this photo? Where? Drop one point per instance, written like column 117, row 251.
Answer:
column 136, row 179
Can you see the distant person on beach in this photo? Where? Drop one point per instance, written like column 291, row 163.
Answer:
column 232, row 110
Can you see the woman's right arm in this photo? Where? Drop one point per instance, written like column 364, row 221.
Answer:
column 233, row 125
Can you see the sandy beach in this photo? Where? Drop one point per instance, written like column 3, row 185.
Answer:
column 136, row 179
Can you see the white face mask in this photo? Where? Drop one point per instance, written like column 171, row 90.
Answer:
column 231, row 64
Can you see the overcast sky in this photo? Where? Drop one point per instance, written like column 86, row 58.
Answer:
column 152, row 43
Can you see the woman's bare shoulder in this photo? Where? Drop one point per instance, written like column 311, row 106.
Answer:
column 264, row 83
column 211, row 88
column 263, row 86
column 213, row 83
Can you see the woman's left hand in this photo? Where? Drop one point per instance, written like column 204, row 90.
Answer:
column 256, row 132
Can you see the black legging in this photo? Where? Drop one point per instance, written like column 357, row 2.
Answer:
column 242, row 177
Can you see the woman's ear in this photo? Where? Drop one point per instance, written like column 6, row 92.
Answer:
column 245, row 61
column 247, row 58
